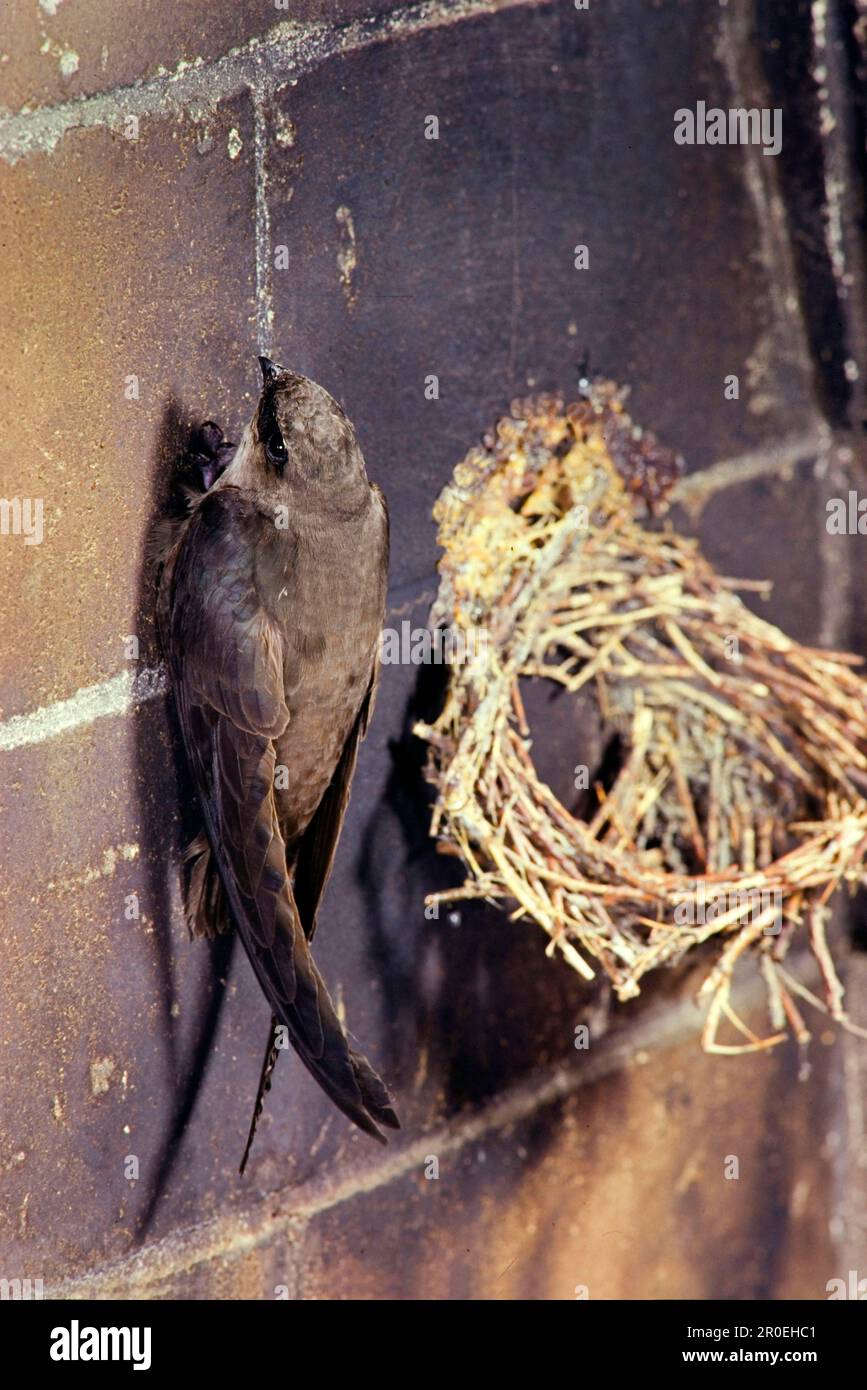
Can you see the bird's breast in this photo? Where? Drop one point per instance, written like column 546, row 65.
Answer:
column 331, row 617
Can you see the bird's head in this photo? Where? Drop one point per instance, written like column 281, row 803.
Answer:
column 299, row 430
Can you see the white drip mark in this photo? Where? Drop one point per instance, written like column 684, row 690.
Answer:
column 264, row 284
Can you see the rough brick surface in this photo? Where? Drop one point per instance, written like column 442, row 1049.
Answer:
column 57, row 50
column 620, row 1191
column 124, row 258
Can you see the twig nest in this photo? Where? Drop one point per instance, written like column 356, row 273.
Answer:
column 737, row 807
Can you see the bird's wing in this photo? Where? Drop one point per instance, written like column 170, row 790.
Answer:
column 227, row 663
column 315, row 854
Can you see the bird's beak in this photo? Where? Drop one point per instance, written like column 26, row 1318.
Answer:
column 270, row 370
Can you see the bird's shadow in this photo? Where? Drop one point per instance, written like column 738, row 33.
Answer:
column 161, row 775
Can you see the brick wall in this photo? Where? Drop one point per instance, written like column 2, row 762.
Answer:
column 184, row 184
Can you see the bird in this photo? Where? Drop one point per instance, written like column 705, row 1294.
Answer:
column 271, row 601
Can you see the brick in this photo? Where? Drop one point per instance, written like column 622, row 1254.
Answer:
column 57, row 50
column 619, row 1188
column 768, row 529
column 125, row 258
column 96, row 1002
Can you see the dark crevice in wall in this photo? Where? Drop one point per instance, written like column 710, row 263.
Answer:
column 852, row 29
column 786, row 46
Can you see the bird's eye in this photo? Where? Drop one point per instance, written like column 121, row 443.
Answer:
column 274, row 446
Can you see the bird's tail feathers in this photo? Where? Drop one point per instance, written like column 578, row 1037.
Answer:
column 205, row 906
column 344, row 1074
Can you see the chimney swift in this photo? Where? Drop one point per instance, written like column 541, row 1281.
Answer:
column 271, row 602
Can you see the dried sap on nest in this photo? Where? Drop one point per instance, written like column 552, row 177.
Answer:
column 734, row 810
column 540, row 462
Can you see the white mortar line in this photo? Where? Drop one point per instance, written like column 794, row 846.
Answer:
column 117, row 695
column 288, row 50
column 695, row 489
